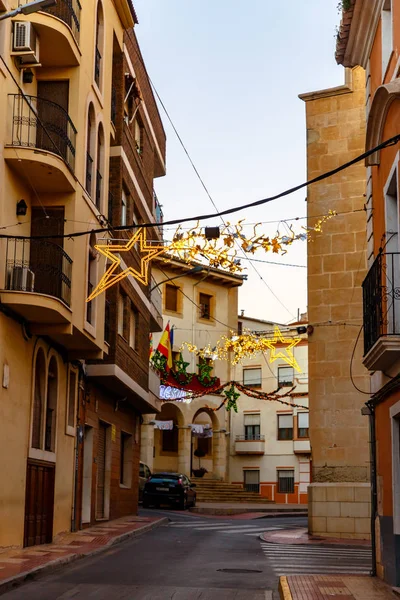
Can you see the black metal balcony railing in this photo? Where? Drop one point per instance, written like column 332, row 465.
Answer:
column 68, row 11
column 107, row 324
column 40, row 267
column 113, row 104
column 98, row 188
column 39, row 123
column 381, row 299
column 89, row 168
column 256, row 437
column 97, row 63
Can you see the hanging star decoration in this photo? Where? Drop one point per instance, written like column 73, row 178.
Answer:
column 112, row 252
column 287, row 355
column 179, row 372
column 232, row 397
column 204, row 375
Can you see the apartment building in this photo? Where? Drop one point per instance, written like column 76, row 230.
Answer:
column 64, row 427
column 369, row 37
column 269, row 443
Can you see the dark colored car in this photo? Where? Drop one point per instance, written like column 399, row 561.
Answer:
column 174, row 489
column 144, row 474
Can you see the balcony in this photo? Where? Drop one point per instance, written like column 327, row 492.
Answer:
column 154, row 383
column 381, row 307
column 42, row 144
column 38, row 281
column 301, row 447
column 156, row 320
column 58, row 28
column 250, row 444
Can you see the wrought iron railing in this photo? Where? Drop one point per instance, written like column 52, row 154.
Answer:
column 40, row 267
column 381, row 299
column 256, row 437
column 98, row 188
column 39, row 123
column 252, row 487
column 97, row 63
column 89, row 168
column 68, row 11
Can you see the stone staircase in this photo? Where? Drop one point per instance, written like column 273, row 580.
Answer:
column 210, row 490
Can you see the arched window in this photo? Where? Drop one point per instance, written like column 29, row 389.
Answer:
column 90, row 149
column 100, row 166
column 51, row 406
column 99, row 45
column 38, row 399
column 92, row 277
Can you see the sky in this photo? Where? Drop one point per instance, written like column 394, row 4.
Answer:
column 229, row 73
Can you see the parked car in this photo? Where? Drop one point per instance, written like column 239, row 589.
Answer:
column 144, row 474
column 174, row 489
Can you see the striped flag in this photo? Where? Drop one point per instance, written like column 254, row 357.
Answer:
column 164, row 347
column 151, row 349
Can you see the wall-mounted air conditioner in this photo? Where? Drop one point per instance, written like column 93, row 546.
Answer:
column 21, row 279
column 25, row 43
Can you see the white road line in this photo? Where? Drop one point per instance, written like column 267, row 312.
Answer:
column 243, row 530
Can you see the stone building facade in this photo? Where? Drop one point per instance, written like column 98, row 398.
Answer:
column 339, row 496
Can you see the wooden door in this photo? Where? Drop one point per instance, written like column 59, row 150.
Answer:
column 101, row 470
column 46, row 256
column 52, row 108
column 39, row 503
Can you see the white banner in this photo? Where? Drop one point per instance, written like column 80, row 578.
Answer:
column 164, row 425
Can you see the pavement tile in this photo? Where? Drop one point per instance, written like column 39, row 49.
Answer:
column 337, row 587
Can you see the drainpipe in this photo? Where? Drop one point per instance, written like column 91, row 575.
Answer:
column 374, row 494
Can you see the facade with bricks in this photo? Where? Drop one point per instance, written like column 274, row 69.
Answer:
column 369, row 36
column 339, row 495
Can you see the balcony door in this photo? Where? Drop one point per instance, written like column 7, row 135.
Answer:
column 46, row 256
column 52, row 108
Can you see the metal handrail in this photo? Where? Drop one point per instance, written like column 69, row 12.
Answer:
column 250, row 438
column 68, row 11
column 38, row 266
column 41, row 123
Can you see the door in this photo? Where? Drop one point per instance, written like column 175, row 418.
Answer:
column 39, row 503
column 87, row 475
column 101, row 471
column 52, row 108
column 46, row 256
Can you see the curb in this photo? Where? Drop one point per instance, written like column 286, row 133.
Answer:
column 284, row 589
column 12, row 582
column 267, row 513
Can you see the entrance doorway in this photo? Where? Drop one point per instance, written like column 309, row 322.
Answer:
column 87, row 474
column 103, row 471
column 39, row 503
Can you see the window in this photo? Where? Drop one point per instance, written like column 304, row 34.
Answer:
column 252, row 480
column 285, row 482
column 302, row 425
column 90, row 145
column 285, row 427
column 92, row 276
column 122, row 316
column 171, row 297
column 133, row 327
column 240, row 327
column 138, row 133
column 72, row 392
column 285, row 376
column 170, row 439
column 252, row 377
column 51, row 406
column 124, row 204
column 99, row 171
column 387, row 34
column 38, row 400
column 252, row 427
column 125, row 477
column 99, row 44
column 205, row 306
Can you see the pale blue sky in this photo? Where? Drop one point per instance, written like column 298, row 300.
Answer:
column 229, row 73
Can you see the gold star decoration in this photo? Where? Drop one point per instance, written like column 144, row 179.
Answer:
column 291, row 343
column 147, row 253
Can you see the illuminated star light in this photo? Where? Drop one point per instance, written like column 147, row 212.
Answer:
column 288, row 357
column 147, row 253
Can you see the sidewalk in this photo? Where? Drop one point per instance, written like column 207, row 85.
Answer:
column 334, row 587
column 235, row 508
column 16, row 565
column 302, row 537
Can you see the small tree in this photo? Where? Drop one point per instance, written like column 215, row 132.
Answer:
column 199, row 453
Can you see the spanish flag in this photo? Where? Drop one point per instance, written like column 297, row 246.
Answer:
column 164, row 347
column 151, row 349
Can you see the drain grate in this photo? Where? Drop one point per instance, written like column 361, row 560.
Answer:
column 239, row 571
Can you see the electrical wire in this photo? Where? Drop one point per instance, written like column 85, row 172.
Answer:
column 390, row 142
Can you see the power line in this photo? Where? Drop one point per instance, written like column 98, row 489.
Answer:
column 390, row 142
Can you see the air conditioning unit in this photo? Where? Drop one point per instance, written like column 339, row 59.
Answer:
column 21, row 279
column 25, row 43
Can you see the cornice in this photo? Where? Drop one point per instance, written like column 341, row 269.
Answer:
column 365, row 19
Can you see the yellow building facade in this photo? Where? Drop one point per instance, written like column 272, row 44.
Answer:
column 339, row 496
column 55, row 134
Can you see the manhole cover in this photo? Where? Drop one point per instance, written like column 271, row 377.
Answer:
column 239, row 571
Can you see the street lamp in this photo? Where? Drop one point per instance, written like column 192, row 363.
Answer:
column 196, row 269
column 29, row 8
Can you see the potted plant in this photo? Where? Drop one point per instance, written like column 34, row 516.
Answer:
column 201, row 471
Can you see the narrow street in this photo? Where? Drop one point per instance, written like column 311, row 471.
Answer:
column 193, row 558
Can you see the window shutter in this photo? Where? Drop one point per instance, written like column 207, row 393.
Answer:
column 252, row 419
column 285, row 421
column 171, row 298
column 302, row 420
column 251, row 377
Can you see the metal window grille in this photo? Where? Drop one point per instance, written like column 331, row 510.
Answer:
column 286, row 482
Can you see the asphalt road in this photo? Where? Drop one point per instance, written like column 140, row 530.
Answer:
column 192, row 558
